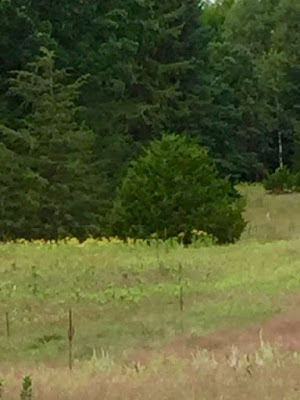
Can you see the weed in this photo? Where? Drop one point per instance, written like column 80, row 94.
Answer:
column 49, row 338
column 26, row 393
column 33, row 285
column 1, row 389
column 180, row 282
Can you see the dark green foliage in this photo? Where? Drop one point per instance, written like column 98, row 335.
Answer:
column 254, row 60
column 17, row 191
column 144, row 57
column 1, row 388
column 144, row 61
column 282, row 181
column 26, row 393
column 225, row 72
column 174, row 188
column 21, row 37
column 47, row 170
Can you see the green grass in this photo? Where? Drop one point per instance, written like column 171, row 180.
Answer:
column 125, row 297
column 271, row 217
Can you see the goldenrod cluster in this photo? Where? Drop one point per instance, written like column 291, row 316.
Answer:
column 100, row 241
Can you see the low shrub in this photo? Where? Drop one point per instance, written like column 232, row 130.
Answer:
column 174, row 188
column 282, row 181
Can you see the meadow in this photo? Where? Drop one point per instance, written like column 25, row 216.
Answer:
column 148, row 315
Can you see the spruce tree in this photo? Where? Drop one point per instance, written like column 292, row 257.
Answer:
column 18, row 189
column 56, row 150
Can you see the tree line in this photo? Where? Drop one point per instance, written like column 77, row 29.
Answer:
column 86, row 85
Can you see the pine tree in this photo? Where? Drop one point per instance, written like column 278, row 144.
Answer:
column 56, row 150
column 146, row 70
column 169, row 87
column 18, row 189
column 22, row 34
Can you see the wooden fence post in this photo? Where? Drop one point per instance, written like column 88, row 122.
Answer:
column 71, row 332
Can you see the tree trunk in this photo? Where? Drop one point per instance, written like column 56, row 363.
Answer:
column 280, row 149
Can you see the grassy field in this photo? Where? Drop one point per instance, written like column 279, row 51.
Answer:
column 271, row 217
column 126, row 300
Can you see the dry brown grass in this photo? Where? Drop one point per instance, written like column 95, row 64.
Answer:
column 265, row 374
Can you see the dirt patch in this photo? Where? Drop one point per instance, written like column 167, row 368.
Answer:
column 282, row 331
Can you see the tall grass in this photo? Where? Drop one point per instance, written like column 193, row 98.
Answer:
column 271, row 217
column 266, row 374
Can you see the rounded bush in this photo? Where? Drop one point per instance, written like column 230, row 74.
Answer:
column 173, row 188
column 281, row 181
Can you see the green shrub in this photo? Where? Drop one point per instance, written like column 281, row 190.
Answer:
column 297, row 182
column 174, row 188
column 282, row 181
column 26, row 393
column 1, row 388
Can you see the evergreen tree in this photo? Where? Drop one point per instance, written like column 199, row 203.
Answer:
column 145, row 60
column 55, row 150
column 250, row 87
column 21, row 37
column 173, row 188
column 147, row 70
column 18, row 189
column 225, row 71
column 178, row 57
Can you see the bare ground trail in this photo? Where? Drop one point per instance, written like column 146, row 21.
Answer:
column 281, row 332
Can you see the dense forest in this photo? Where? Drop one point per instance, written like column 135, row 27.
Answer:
column 85, row 85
